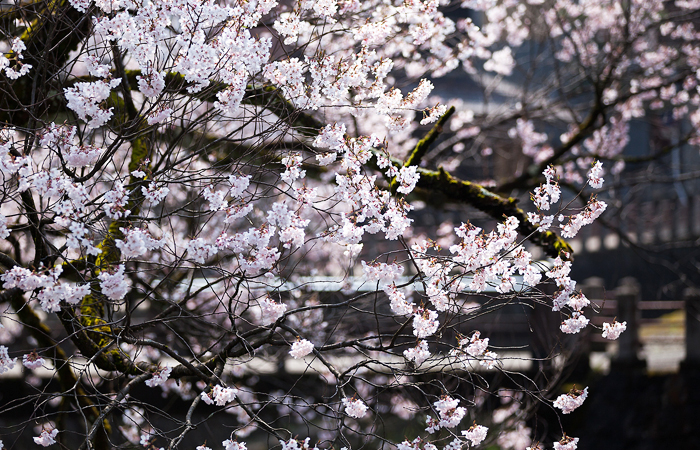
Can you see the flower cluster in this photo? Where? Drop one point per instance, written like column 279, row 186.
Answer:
column 301, row 348
column 46, row 438
column 476, row 434
column 137, row 242
column 355, row 408
column 32, row 361
column 566, row 443
column 11, row 72
column 425, row 323
column 115, row 284
column 475, row 348
column 450, row 414
column 159, row 377
column 417, row 354
column 570, row 401
column 614, row 330
column 230, row 444
column 6, row 363
column 219, row 395
column 51, row 291
column 270, row 311
column 85, row 100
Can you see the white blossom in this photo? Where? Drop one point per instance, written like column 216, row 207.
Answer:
column 159, row 377
column 476, row 434
column 450, row 414
column 271, row 311
column 417, row 354
column 32, row 361
column 232, row 445
column 501, row 62
column 595, row 178
column 407, row 179
column 155, row 192
column 355, row 408
column 570, row 401
column 576, row 323
column 425, row 323
column 46, row 438
column 137, row 242
column 114, row 285
column 6, row 363
column 219, row 395
column 85, row 99
column 614, row 330
column 301, row 348
column 566, row 443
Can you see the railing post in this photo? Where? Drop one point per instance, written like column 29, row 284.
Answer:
column 692, row 329
column 593, row 288
column 627, row 295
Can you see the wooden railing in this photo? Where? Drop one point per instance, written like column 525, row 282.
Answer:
column 625, row 304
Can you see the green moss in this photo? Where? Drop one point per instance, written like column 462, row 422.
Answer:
column 460, row 191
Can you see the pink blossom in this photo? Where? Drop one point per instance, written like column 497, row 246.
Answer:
column 614, row 330
column 417, row 354
column 450, row 414
column 32, row 361
column 569, row 402
column 159, row 377
column 85, row 98
column 355, row 408
column 566, row 443
column 576, row 323
column 46, row 438
column 301, row 348
column 476, row 434
column 271, row 311
column 219, row 395
column 501, row 62
column 477, row 346
column 595, row 178
column 434, row 114
column 233, row 445
column 407, row 179
column 115, row 284
column 425, row 323
column 6, row 363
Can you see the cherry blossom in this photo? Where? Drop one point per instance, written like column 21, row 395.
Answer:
column 594, row 175
column 476, row 434
column 576, row 323
column 271, row 311
column 6, row 363
column 425, row 323
column 614, row 330
column 219, row 395
column 159, row 377
column 569, row 402
column 450, row 414
column 229, row 177
column 355, row 408
column 46, row 438
column 566, row 443
column 233, row 445
column 32, row 361
column 137, row 242
column 85, row 98
column 301, row 348
column 407, row 179
column 417, row 354
column 114, row 284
